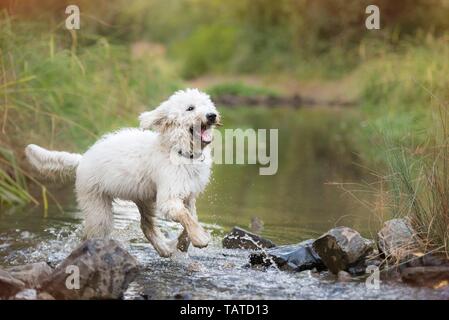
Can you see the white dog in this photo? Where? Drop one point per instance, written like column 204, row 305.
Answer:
column 162, row 171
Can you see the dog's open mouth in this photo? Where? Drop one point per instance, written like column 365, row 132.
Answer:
column 204, row 132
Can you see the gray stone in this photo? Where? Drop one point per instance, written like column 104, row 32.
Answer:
column 397, row 240
column 105, row 270
column 9, row 286
column 33, row 275
column 295, row 257
column 240, row 238
column 342, row 247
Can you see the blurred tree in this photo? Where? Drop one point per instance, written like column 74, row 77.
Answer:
column 265, row 35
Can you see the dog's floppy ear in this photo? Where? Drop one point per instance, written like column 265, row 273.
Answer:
column 155, row 119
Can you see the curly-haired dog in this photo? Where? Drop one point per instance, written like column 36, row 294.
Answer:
column 162, row 171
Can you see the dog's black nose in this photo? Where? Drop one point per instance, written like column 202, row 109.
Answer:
column 211, row 117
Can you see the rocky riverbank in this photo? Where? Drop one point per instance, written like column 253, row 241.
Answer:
column 396, row 255
column 244, row 265
column 97, row 269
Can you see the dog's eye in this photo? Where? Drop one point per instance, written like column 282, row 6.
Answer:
column 190, row 108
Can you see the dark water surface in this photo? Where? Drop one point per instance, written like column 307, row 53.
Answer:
column 301, row 201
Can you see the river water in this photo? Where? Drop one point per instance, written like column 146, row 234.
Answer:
column 301, row 201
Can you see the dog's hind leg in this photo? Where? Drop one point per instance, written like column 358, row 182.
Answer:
column 99, row 220
column 161, row 244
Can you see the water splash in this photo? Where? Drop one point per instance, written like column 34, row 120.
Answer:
column 210, row 273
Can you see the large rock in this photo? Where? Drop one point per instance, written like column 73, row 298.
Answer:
column 397, row 239
column 9, row 286
column 33, row 275
column 435, row 277
column 240, row 238
column 295, row 257
column 342, row 247
column 105, row 270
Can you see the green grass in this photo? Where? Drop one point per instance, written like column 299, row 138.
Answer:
column 209, row 48
column 419, row 190
column 13, row 185
column 405, row 100
column 399, row 92
column 62, row 96
column 319, row 39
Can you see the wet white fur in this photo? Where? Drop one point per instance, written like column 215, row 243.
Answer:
column 136, row 165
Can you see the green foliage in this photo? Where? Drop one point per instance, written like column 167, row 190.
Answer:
column 77, row 92
column 64, row 97
column 399, row 91
column 208, row 48
column 405, row 99
column 13, row 186
column 418, row 180
column 409, row 80
column 304, row 37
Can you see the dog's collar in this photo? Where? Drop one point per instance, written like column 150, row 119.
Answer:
column 191, row 155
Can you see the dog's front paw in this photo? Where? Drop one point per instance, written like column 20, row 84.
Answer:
column 200, row 238
column 165, row 249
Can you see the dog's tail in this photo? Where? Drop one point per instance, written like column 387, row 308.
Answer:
column 52, row 163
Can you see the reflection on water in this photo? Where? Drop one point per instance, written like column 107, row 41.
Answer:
column 314, row 148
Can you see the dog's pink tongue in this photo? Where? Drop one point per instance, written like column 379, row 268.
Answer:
column 206, row 135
